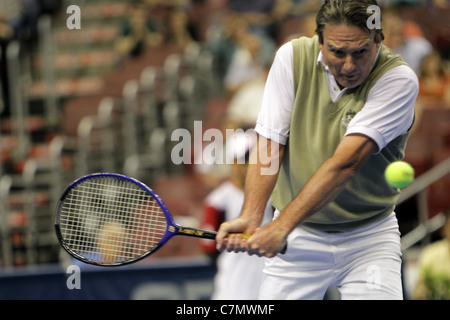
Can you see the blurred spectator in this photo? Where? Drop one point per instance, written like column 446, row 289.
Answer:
column 11, row 14
column 6, row 35
column 240, row 114
column 412, row 46
column 249, row 61
column 434, row 81
column 32, row 10
column 440, row 4
column 50, row 6
column 179, row 29
column 263, row 16
column 19, row 21
column 139, row 32
column 243, row 58
column 434, row 268
column 303, row 7
column 223, row 40
column 244, row 106
column 170, row 3
column 238, row 275
column 23, row 16
column 305, row 27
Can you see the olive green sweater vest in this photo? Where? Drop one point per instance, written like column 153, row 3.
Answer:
column 317, row 127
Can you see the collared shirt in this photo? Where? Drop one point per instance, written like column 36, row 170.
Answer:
column 387, row 114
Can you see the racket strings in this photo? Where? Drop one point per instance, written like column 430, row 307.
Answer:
column 110, row 220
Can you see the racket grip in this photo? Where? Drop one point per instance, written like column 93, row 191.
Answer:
column 206, row 234
column 247, row 236
column 243, row 235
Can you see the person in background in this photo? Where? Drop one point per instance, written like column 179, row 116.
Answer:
column 434, row 268
column 434, row 81
column 139, row 32
column 179, row 29
column 263, row 16
column 238, row 276
column 406, row 39
column 249, row 61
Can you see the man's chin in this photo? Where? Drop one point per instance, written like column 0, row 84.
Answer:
column 350, row 84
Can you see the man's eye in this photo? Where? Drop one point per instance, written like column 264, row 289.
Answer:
column 338, row 53
column 360, row 53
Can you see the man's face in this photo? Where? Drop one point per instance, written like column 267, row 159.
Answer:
column 349, row 53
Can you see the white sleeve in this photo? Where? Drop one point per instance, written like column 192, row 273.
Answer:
column 389, row 110
column 274, row 117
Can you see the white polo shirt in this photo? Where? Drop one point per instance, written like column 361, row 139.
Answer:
column 387, row 114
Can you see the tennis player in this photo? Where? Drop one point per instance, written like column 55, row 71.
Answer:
column 337, row 109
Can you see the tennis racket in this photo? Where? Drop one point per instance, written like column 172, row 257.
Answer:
column 109, row 219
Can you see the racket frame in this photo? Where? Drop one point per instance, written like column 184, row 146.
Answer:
column 172, row 228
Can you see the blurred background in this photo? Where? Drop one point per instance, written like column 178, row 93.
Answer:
column 107, row 97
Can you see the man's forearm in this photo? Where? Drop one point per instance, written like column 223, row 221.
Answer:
column 327, row 181
column 258, row 184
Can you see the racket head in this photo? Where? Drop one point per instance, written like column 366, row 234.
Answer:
column 110, row 219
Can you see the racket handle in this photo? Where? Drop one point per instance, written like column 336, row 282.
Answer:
column 197, row 233
column 207, row 234
column 243, row 235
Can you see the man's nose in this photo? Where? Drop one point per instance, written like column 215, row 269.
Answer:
column 349, row 65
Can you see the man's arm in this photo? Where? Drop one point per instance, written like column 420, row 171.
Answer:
column 330, row 178
column 322, row 188
column 262, row 174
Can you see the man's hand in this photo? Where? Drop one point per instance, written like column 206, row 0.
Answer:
column 266, row 241
column 228, row 240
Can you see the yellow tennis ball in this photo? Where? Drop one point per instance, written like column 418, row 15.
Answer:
column 399, row 174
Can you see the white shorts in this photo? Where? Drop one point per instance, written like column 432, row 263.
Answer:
column 362, row 264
